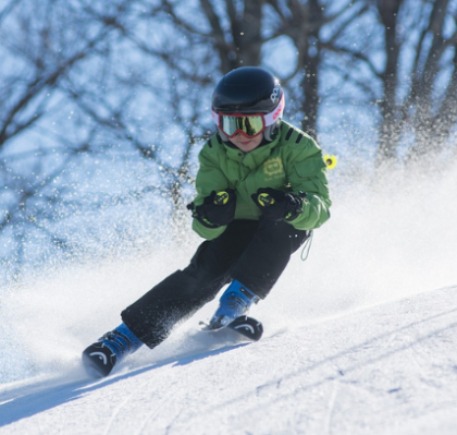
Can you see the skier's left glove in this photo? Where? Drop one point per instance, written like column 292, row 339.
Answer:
column 218, row 209
column 277, row 205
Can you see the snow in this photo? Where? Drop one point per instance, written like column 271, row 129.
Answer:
column 383, row 370
column 359, row 339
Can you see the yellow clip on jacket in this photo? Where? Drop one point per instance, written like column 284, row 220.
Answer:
column 292, row 162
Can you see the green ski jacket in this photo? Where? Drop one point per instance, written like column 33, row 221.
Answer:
column 291, row 162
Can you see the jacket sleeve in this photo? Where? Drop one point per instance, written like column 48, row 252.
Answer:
column 306, row 173
column 209, row 178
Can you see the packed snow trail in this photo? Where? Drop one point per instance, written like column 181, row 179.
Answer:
column 355, row 342
column 387, row 369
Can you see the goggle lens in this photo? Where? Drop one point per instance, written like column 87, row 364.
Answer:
column 247, row 125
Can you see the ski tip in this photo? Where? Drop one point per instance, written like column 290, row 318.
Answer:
column 245, row 326
column 98, row 361
column 248, row 327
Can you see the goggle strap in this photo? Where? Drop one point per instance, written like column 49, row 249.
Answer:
column 272, row 117
column 215, row 116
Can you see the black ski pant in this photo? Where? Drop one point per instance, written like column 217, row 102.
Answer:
column 253, row 252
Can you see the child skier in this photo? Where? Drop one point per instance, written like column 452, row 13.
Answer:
column 261, row 189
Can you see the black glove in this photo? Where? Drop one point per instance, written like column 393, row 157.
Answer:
column 277, row 205
column 217, row 209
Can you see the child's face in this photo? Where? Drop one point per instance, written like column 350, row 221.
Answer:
column 245, row 143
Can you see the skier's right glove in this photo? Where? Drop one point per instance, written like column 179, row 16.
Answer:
column 277, row 205
column 218, row 209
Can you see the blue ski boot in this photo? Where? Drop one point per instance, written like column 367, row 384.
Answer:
column 101, row 357
column 234, row 302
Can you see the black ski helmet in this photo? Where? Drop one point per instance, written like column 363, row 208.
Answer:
column 249, row 90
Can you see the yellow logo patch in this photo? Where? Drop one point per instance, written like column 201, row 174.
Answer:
column 273, row 168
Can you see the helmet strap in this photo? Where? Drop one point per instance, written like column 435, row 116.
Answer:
column 270, row 131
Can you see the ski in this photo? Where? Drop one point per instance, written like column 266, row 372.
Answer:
column 246, row 326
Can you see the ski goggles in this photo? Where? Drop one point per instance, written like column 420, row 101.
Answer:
column 249, row 125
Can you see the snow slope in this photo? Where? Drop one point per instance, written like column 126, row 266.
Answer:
column 390, row 369
column 360, row 339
